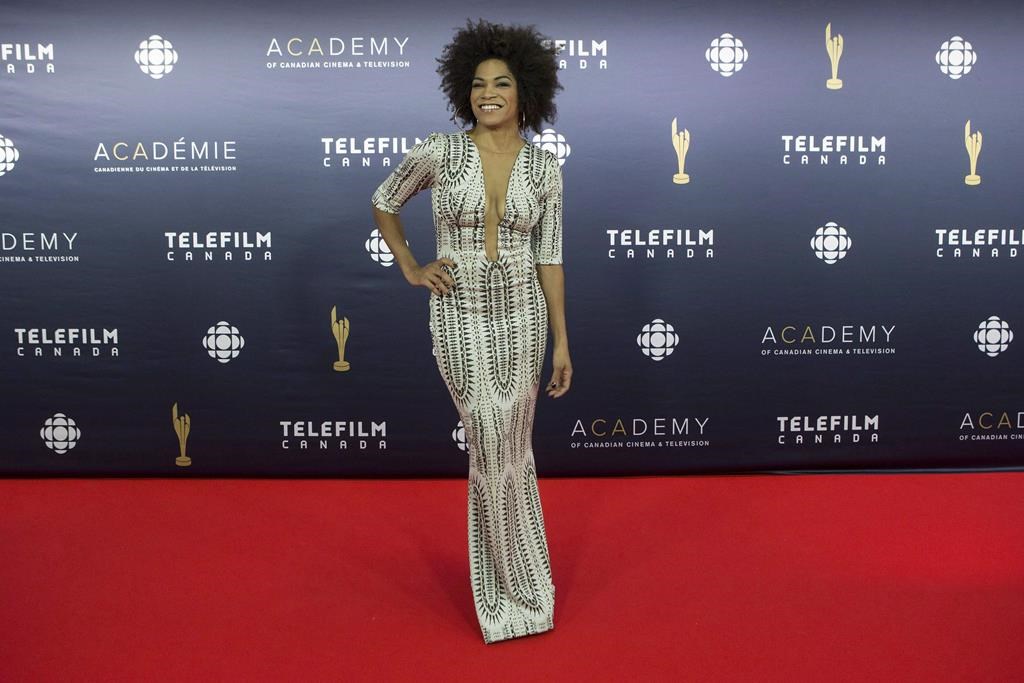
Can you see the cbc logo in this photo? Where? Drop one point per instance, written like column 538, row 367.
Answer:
column 658, row 339
column 156, row 56
column 831, row 243
column 459, row 436
column 993, row 336
column 726, row 54
column 60, row 433
column 223, row 342
column 8, row 155
column 378, row 249
column 553, row 142
column 955, row 57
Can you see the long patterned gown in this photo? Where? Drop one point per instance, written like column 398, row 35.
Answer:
column 489, row 337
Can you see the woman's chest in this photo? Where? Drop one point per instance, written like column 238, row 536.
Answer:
column 506, row 195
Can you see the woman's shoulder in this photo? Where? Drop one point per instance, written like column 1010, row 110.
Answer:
column 434, row 138
column 550, row 157
column 443, row 136
column 432, row 146
column 549, row 160
column 542, row 152
column 452, row 147
column 441, row 141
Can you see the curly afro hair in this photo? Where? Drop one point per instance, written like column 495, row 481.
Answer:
column 534, row 67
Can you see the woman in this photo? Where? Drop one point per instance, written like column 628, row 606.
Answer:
column 496, row 285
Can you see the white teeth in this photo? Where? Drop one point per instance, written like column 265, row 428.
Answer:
column 490, row 107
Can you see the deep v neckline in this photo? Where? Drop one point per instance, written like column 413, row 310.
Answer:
column 508, row 186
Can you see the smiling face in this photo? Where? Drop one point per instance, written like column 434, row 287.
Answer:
column 494, row 96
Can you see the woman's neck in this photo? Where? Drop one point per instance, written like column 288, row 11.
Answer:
column 505, row 139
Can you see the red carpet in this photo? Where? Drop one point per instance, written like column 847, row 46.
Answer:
column 767, row 578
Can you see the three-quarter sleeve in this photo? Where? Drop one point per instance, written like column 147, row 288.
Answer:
column 546, row 238
column 416, row 172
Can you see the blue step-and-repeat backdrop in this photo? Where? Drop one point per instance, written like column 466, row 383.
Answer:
column 792, row 237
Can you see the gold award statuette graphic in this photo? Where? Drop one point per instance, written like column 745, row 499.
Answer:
column 182, row 426
column 834, row 47
column 340, row 329
column 973, row 143
column 681, row 141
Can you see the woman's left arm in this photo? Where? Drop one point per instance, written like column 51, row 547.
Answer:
column 552, row 281
column 546, row 243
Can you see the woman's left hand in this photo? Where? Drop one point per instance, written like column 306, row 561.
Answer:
column 561, row 377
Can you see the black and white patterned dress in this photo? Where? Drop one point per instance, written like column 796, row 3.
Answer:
column 489, row 335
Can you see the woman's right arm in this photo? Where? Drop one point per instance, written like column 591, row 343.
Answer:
column 416, row 172
column 390, row 226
